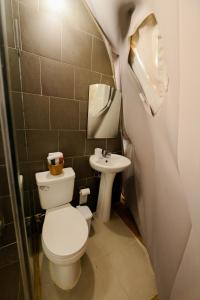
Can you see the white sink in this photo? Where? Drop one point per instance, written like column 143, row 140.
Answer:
column 108, row 168
column 114, row 164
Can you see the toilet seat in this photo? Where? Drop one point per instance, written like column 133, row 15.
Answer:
column 64, row 234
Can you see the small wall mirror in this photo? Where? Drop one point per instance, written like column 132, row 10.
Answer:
column 104, row 111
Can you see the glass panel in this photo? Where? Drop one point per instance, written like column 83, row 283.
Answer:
column 9, row 259
column 14, row 256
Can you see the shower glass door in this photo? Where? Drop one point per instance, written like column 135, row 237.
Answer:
column 16, row 275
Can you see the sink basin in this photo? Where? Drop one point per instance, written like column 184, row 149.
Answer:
column 108, row 168
column 114, row 164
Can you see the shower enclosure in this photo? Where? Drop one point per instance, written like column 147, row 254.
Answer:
column 16, row 272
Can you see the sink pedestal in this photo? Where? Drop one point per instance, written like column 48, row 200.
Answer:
column 105, row 196
column 108, row 167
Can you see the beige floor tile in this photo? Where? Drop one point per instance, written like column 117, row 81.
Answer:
column 107, row 237
column 94, row 284
column 134, row 271
column 128, row 259
column 108, row 287
column 115, row 267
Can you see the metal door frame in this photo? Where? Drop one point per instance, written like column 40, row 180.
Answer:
column 11, row 160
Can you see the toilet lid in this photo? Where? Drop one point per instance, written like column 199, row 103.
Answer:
column 65, row 231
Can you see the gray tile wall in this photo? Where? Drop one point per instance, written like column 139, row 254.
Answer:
column 60, row 56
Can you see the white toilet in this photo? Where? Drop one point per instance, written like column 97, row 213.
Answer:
column 65, row 230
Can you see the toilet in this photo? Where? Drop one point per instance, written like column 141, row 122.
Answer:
column 65, row 230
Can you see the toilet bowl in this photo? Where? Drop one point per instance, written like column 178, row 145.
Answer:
column 65, row 230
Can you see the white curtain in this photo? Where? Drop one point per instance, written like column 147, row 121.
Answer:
column 166, row 146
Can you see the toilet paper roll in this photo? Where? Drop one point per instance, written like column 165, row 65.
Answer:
column 83, row 195
column 84, row 192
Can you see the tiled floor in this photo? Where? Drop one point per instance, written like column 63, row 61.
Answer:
column 115, row 267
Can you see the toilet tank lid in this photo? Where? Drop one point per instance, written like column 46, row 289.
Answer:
column 45, row 178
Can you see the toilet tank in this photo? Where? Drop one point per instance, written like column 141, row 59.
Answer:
column 55, row 190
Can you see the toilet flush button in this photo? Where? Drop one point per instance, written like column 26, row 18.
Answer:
column 44, row 188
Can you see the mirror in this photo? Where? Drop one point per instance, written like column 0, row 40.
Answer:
column 104, row 111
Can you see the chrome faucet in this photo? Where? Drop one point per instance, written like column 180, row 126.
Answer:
column 106, row 154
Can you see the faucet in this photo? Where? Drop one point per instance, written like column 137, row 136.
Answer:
column 106, row 154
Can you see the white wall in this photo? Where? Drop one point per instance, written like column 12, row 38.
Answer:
column 188, row 278
column 167, row 147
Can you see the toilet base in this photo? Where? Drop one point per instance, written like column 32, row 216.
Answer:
column 67, row 276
